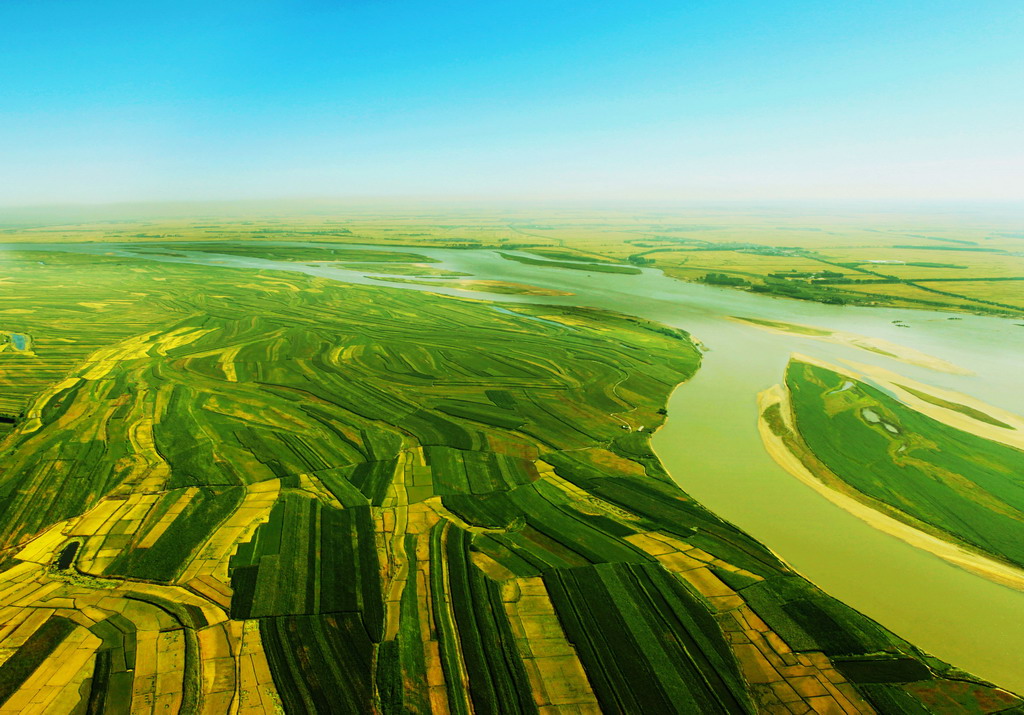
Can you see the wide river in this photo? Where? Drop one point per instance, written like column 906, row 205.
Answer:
column 711, row 446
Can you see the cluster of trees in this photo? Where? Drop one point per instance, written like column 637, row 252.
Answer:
column 777, row 286
column 800, row 291
column 799, row 274
column 723, row 279
column 638, row 260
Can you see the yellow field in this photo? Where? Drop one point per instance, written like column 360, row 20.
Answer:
column 753, row 264
column 1011, row 292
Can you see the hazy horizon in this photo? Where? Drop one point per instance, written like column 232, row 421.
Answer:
column 793, row 212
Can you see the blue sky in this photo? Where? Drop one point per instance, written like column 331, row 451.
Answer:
column 120, row 101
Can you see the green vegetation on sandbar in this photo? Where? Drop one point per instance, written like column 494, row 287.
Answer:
column 562, row 255
column 963, row 485
column 787, row 327
column 412, row 281
column 957, row 407
column 499, row 287
column 403, row 269
column 576, row 266
column 283, row 492
column 296, row 253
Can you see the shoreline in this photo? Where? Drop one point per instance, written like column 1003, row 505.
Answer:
column 986, row 567
column 910, row 356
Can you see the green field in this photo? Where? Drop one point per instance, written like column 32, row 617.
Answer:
column 298, row 253
column 235, row 490
column 404, row 269
column 961, row 485
column 576, row 265
column 957, row 407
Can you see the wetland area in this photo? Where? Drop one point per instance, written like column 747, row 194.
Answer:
column 457, row 481
column 710, row 442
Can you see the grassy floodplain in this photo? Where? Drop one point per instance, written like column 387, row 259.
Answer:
column 968, row 262
column 236, row 490
column 298, row 253
column 949, row 482
column 574, row 265
column 403, row 269
column 483, row 286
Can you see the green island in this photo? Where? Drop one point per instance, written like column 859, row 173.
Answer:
column 483, row 286
column 576, row 264
column 298, row 253
column 807, row 330
column 238, row 490
column 404, row 269
column 956, row 407
column 935, row 477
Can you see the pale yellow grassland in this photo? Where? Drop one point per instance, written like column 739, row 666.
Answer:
column 394, row 564
column 22, row 623
column 733, row 261
column 436, row 687
column 178, row 338
column 557, row 678
column 258, row 413
column 585, row 502
column 150, row 471
column 981, row 264
column 170, row 646
column 780, row 679
column 491, row 567
column 566, row 320
column 144, row 685
column 172, row 513
column 898, row 291
column 40, row 550
column 212, row 559
column 103, row 540
column 256, row 692
column 32, row 421
column 218, row 668
column 57, row 678
column 227, row 363
column 99, row 364
column 1009, row 292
